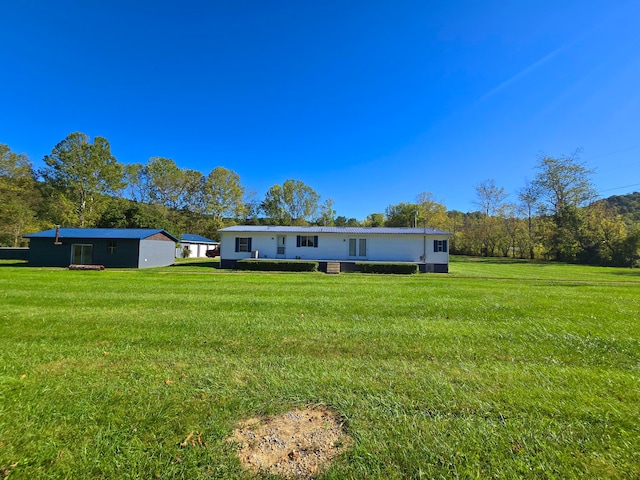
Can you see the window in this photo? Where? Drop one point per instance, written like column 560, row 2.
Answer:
column 439, row 245
column 358, row 247
column 243, row 244
column 111, row 247
column 307, row 241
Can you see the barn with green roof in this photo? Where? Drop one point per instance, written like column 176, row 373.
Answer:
column 110, row 247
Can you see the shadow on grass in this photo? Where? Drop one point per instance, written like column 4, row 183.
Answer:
column 624, row 271
column 201, row 264
column 13, row 263
column 499, row 260
column 628, row 272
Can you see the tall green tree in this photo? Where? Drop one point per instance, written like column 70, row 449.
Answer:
column 136, row 179
column 19, row 195
column 564, row 185
column 166, row 182
column 431, row 212
column 223, row 195
column 564, row 182
column 401, row 215
column 528, row 206
column 292, row 203
column 327, row 214
column 490, row 199
column 374, row 220
column 84, row 172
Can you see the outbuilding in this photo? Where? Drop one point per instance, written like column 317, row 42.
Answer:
column 427, row 247
column 110, row 247
column 195, row 246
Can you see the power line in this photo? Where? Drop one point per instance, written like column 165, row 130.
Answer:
column 618, row 188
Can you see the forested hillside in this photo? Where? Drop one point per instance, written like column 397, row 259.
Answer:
column 626, row 205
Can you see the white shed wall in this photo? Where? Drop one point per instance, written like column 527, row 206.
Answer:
column 196, row 250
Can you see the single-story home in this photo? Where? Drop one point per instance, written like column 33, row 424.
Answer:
column 196, row 245
column 110, row 247
column 426, row 247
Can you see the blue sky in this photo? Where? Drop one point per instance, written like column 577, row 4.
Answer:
column 368, row 102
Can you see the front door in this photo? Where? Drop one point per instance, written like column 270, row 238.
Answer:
column 81, row 254
column 357, row 247
column 280, row 243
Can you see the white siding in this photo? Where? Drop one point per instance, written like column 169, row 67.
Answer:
column 380, row 248
column 196, row 250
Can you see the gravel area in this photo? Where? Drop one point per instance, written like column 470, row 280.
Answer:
column 296, row 444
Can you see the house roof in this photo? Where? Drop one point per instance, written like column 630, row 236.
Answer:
column 191, row 238
column 111, row 233
column 335, row 230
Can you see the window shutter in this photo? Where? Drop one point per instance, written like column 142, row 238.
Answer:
column 298, row 241
column 444, row 245
column 315, row 241
column 435, row 245
column 237, row 244
column 249, row 244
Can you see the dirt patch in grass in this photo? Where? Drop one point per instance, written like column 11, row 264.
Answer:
column 296, row 444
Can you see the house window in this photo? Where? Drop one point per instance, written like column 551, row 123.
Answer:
column 307, row 241
column 243, row 244
column 111, row 247
column 440, row 246
column 357, row 247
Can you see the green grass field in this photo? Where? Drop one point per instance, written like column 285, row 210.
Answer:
column 501, row 369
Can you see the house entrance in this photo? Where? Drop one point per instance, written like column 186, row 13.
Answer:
column 357, row 247
column 81, row 254
column 280, row 242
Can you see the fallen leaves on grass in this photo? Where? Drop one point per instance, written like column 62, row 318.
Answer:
column 193, row 440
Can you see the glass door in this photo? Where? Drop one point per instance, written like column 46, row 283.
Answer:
column 281, row 242
column 81, row 254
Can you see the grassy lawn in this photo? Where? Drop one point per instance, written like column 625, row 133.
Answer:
column 501, row 369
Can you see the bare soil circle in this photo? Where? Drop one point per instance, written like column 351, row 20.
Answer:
column 297, row 444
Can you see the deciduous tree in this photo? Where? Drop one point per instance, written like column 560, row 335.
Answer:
column 292, row 203
column 223, row 194
column 19, row 196
column 490, row 200
column 564, row 185
column 83, row 171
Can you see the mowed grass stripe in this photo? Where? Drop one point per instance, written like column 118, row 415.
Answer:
column 496, row 373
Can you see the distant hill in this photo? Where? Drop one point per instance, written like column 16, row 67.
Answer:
column 626, row 205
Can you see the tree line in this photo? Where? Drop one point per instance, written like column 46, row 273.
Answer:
column 554, row 216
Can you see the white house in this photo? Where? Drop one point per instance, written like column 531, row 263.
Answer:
column 196, row 245
column 427, row 247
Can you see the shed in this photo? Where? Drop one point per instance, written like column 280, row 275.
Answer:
column 196, row 245
column 111, row 247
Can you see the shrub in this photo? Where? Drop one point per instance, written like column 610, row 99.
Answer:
column 277, row 265
column 402, row 268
